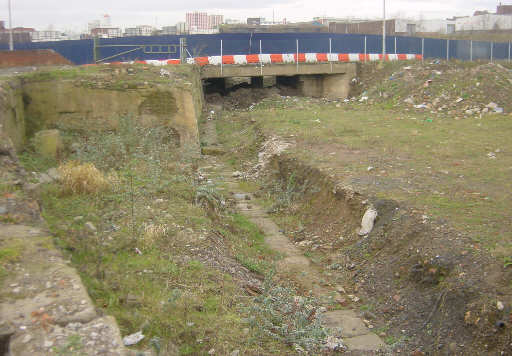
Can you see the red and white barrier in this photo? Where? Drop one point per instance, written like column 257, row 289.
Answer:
column 287, row 58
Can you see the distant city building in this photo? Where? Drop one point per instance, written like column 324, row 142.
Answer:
column 48, row 35
column 232, row 22
column 181, row 28
column 197, row 21
column 481, row 21
column 106, row 32
column 201, row 22
column 19, row 34
column 261, row 21
column 488, row 22
column 93, row 24
column 255, row 21
column 214, row 21
column 504, row 9
column 326, row 20
column 104, row 22
column 479, row 13
column 142, row 30
column 169, row 30
column 400, row 27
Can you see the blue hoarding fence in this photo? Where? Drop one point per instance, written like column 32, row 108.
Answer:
column 82, row 51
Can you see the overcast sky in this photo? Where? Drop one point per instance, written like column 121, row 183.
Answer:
column 74, row 14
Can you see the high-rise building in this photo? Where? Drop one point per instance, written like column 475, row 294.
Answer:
column 197, row 21
column 214, row 21
column 181, row 28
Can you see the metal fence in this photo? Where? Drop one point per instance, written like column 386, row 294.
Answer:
column 81, row 51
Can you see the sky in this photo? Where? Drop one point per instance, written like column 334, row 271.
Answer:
column 75, row 14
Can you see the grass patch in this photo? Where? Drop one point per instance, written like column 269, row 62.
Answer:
column 36, row 163
column 10, row 252
column 258, row 256
column 145, row 263
column 429, row 161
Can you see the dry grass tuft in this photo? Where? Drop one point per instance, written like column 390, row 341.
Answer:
column 82, row 178
column 153, row 232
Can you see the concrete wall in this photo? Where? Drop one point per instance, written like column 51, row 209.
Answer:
column 62, row 104
column 28, row 105
column 330, row 86
column 12, row 120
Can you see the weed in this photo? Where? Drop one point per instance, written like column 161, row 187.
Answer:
column 73, row 347
column 289, row 318
column 81, row 178
column 152, row 232
column 36, row 163
column 391, row 340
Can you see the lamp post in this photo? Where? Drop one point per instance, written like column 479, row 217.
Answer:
column 11, row 42
column 384, row 30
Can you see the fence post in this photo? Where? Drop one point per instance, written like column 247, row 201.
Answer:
column 330, row 51
column 297, row 59
column 365, row 48
column 471, row 51
column 447, row 50
column 422, row 49
column 492, row 47
column 221, row 64
column 261, row 62
column 509, row 52
column 395, row 44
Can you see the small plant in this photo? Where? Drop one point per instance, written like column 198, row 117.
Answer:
column 507, row 261
column 210, row 200
column 289, row 318
column 82, row 178
column 156, row 345
column 73, row 347
column 152, row 232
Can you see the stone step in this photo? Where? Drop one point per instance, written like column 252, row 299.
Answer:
column 351, row 325
column 369, row 342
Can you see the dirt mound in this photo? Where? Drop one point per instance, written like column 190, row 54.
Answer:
column 41, row 57
column 468, row 89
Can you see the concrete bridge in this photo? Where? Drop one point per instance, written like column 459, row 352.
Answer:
column 329, row 80
column 313, row 74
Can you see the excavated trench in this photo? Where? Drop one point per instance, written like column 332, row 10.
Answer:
column 405, row 271
column 405, row 274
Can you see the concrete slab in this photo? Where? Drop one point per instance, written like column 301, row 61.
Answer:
column 347, row 320
column 368, row 342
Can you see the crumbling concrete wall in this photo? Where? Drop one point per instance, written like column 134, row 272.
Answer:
column 12, row 120
column 64, row 104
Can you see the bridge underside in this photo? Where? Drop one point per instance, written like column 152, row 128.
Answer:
column 329, row 80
